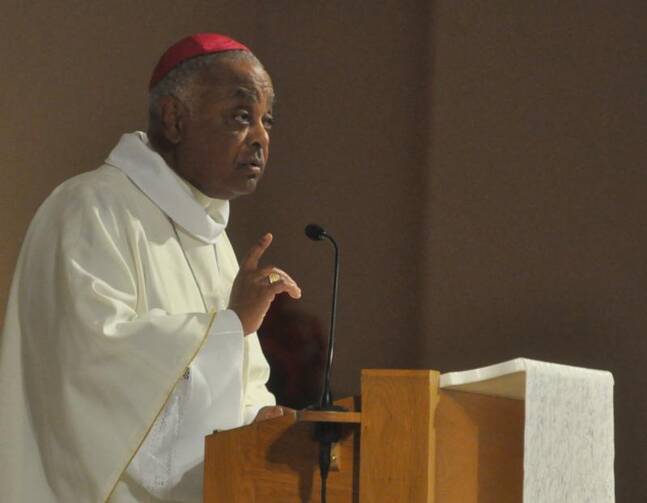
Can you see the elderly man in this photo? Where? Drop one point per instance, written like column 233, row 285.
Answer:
column 130, row 331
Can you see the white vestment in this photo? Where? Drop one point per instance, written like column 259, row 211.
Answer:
column 107, row 311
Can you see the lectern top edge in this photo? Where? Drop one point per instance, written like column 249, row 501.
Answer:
column 399, row 373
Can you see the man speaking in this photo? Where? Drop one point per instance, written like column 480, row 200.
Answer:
column 130, row 330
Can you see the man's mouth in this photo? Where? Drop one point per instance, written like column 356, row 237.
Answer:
column 252, row 168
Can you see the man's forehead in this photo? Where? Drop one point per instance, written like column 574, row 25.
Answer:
column 253, row 93
column 241, row 79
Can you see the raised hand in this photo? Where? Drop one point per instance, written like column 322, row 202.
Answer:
column 255, row 287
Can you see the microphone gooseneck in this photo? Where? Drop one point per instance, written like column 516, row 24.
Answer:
column 317, row 233
column 327, row 433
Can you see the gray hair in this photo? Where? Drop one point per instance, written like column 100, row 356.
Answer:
column 181, row 81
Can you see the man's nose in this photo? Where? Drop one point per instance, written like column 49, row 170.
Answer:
column 258, row 136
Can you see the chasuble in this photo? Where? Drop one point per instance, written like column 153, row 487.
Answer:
column 118, row 353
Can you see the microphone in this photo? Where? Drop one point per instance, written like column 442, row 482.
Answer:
column 327, row 433
column 317, row 233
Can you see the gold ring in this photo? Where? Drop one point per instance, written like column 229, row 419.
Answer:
column 273, row 277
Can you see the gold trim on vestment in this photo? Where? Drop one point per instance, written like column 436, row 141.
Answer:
column 168, row 395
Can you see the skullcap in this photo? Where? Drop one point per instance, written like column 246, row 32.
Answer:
column 190, row 47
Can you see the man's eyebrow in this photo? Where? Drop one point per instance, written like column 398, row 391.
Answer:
column 251, row 94
column 246, row 93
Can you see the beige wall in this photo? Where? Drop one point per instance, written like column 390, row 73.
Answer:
column 479, row 162
column 348, row 152
column 536, row 239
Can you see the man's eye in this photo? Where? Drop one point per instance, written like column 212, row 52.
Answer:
column 242, row 116
column 268, row 122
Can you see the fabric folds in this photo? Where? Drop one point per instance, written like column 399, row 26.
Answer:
column 103, row 320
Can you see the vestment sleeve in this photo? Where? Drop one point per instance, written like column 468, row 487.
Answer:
column 256, row 368
column 256, row 394
column 168, row 464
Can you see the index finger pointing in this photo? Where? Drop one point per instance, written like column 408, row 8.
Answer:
column 250, row 262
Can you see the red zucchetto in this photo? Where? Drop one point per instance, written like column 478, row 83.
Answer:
column 190, row 47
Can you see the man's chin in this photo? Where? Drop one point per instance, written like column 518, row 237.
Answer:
column 249, row 187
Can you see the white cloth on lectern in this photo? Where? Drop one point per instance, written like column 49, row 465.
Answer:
column 568, row 440
column 568, row 433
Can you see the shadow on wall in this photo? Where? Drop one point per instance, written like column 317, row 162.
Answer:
column 294, row 344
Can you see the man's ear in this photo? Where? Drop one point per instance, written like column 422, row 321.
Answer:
column 173, row 113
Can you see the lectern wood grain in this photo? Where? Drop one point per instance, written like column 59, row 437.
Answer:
column 397, row 436
column 479, row 449
column 329, row 417
column 419, row 444
column 276, row 461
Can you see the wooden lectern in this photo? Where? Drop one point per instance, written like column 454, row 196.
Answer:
column 408, row 442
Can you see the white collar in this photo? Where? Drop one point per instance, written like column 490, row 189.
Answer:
column 203, row 217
